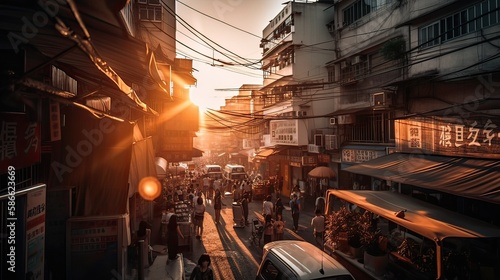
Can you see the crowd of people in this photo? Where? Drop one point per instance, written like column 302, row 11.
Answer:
column 198, row 190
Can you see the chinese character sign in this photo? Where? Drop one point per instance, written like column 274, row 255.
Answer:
column 20, row 141
column 284, row 132
column 475, row 136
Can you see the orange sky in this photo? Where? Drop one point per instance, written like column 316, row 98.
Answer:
column 249, row 15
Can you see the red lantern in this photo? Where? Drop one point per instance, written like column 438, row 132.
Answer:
column 149, row 188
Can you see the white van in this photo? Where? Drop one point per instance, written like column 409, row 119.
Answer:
column 293, row 259
column 235, row 172
column 213, row 171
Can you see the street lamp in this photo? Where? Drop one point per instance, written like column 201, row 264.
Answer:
column 149, row 188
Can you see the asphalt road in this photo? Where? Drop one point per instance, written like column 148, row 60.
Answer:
column 232, row 253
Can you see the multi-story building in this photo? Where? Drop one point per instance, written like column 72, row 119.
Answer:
column 369, row 57
column 436, row 88
column 296, row 44
column 417, row 84
column 80, row 93
column 405, row 77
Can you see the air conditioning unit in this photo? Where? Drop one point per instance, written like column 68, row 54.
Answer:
column 378, row 99
column 333, row 121
column 301, row 113
column 331, row 142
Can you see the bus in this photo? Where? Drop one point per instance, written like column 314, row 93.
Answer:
column 425, row 241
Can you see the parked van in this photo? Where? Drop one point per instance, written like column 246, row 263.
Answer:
column 213, row 171
column 235, row 172
column 293, row 259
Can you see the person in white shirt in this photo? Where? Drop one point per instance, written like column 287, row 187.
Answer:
column 267, row 206
column 217, row 184
column 318, row 224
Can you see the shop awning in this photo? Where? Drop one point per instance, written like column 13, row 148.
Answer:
column 161, row 167
column 267, row 152
column 98, row 61
column 197, row 153
column 468, row 177
column 424, row 218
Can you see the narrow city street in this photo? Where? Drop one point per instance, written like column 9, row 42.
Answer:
column 232, row 252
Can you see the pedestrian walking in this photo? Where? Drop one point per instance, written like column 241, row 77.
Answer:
column 267, row 206
column 236, row 193
column 199, row 215
column 278, row 209
column 318, row 225
column 295, row 207
column 203, row 271
column 244, row 205
column 320, row 203
column 173, row 233
column 217, row 205
column 279, row 228
column 268, row 229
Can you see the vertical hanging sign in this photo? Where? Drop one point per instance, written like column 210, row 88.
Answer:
column 35, row 233
column 55, row 121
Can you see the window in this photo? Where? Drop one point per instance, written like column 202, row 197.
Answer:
column 372, row 128
column 331, row 74
column 150, row 13
column 358, row 10
column 352, row 70
column 476, row 17
column 318, row 140
column 270, row 271
column 150, row 10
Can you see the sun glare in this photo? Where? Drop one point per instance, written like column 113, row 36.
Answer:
column 198, row 100
column 206, row 99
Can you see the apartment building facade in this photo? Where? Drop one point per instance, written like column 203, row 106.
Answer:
column 402, row 80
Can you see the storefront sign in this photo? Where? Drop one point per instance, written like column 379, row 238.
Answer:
column 295, row 161
column 95, row 247
column 177, row 156
column 309, row 161
column 288, row 132
column 20, row 141
column 35, row 233
column 324, row 158
column 481, row 136
column 352, row 155
column 311, row 148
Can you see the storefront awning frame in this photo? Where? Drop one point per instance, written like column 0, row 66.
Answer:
column 269, row 151
column 468, row 177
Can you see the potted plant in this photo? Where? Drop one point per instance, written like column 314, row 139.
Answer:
column 345, row 231
column 336, row 229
